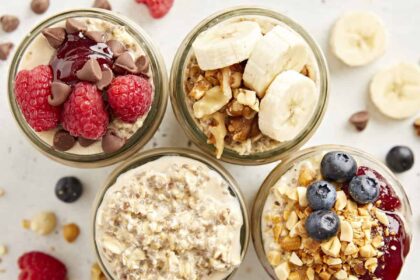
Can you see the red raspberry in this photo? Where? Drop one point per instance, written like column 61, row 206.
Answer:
column 84, row 112
column 40, row 266
column 158, row 8
column 130, row 97
column 32, row 89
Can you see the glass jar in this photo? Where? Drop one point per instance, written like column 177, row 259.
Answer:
column 179, row 95
column 155, row 154
column 288, row 163
column 151, row 122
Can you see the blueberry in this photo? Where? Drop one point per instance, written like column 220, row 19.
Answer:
column 400, row 159
column 68, row 189
column 364, row 189
column 322, row 225
column 321, row 195
column 338, row 167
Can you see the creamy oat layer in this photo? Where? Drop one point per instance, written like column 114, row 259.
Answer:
column 172, row 218
column 242, row 134
column 34, row 57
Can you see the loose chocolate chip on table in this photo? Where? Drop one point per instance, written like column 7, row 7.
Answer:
column 9, row 23
column 63, row 141
column 74, row 25
column 142, row 64
column 5, row 50
column 124, row 63
column 416, row 126
column 107, row 77
column 60, row 92
column 116, row 47
column 55, row 36
column 111, row 142
column 90, row 72
column 40, row 6
column 85, row 142
column 97, row 36
column 102, row 4
column 360, row 120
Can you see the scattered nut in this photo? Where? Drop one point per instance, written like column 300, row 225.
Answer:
column 3, row 250
column 416, row 126
column 71, row 232
column 43, row 223
column 282, row 271
column 96, row 273
column 2, row 192
column 360, row 120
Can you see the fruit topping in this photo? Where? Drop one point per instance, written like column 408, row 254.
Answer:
column 130, row 97
column 158, row 8
column 400, row 159
column 5, row 49
column 55, row 36
column 32, row 90
column 59, row 93
column 40, row 266
column 63, row 141
column 68, row 189
column 360, row 120
column 40, row 6
column 338, row 167
column 322, row 225
column 321, row 195
column 9, row 23
column 364, row 189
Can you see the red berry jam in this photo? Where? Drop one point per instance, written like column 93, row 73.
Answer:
column 73, row 54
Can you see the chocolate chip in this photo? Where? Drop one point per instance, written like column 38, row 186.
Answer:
column 55, row 36
column 360, row 120
column 9, row 23
column 125, row 63
column 97, row 36
column 85, row 142
column 63, row 141
column 40, row 6
column 90, row 72
column 416, row 126
column 111, row 142
column 60, row 92
column 102, row 4
column 74, row 25
column 5, row 50
column 142, row 64
column 117, row 48
column 107, row 77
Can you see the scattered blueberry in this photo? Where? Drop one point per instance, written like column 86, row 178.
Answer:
column 68, row 189
column 338, row 167
column 322, row 225
column 400, row 159
column 321, row 195
column 364, row 189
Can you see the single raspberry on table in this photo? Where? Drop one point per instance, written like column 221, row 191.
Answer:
column 40, row 266
column 32, row 88
column 84, row 113
column 130, row 97
column 158, row 8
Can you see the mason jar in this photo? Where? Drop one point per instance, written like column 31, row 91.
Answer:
column 150, row 124
column 260, row 226
column 179, row 94
column 153, row 155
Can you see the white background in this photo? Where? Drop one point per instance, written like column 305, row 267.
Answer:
column 29, row 178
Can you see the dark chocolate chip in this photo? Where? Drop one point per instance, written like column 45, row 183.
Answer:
column 60, row 92
column 90, row 72
column 360, row 120
column 102, row 4
column 117, row 48
column 85, row 142
column 142, row 64
column 40, row 6
column 111, row 142
column 63, row 141
column 97, row 36
column 74, row 25
column 5, row 50
column 55, row 36
column 9, row 23
column 125, row 63
column 107, row 77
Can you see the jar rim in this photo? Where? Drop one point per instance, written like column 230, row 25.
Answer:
column 153, row 119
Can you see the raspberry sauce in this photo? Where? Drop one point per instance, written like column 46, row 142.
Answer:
column 73, row 54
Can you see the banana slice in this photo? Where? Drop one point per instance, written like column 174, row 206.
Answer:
column 279, row 50
column 226, row 44
column 396, row 91
column 358, row 38
column 287, row 106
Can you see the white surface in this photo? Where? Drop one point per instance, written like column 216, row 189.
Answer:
column 29, row 178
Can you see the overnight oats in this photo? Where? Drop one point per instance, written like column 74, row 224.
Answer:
column 332, row 214
column 171, row 217
column 253, row 84
column 85, row 87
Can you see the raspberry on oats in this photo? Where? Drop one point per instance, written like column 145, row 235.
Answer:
column 40, row 266
column 157, row 8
